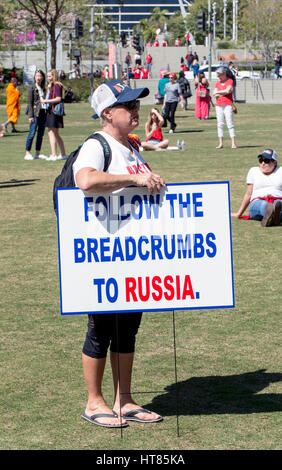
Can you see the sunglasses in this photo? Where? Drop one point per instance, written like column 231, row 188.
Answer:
column 265, row 160
column 130, row 105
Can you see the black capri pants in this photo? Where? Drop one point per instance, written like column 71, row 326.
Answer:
column 117, row 330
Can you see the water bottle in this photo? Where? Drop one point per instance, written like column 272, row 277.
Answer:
column 182, row 145
column 178, row 144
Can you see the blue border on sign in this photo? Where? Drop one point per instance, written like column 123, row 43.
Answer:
column 155, row 309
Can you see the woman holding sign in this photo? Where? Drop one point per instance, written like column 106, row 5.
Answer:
column 117, row 106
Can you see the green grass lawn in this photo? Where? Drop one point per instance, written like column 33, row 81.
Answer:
column 228, row 393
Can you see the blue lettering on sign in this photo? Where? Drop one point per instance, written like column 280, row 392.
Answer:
column 117, row 208
column 104, row 248
column 184, row 246
column 185, row 205
column 99, row 283
column 123, row 216
column 199, row 250
column 79, row 253
column 111, row 282
column 130, row 248
column 92, row 246
column 137, row 214
column 151, row 204
column 211, row 253
column 197, row 204
column 117, row 250
column 171, row 198
column 142, row 255
column 111, row 289
column 155, row 247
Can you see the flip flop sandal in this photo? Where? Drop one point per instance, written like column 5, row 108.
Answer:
column 131, row 416
column 93, row 419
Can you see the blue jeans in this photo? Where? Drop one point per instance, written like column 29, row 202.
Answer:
column 39, row 124
column 277, row 71
column 257, row 208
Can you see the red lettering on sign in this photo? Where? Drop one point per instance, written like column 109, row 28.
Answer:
column 156, row 288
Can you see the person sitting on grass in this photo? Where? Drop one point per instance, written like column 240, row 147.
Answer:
column 153, row 129
column 264, row 191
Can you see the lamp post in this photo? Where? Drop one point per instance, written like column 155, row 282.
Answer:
column 25, row 44
column 92, row 50
column 214, row 19
column 224, row 18
column 235, row 21
column 210, row 39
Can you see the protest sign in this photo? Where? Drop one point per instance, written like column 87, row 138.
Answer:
column 131, row 251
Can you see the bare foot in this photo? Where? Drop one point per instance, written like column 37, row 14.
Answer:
column 219, row 147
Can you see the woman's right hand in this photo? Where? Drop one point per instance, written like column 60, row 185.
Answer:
column 31, row 120
column 152, row 181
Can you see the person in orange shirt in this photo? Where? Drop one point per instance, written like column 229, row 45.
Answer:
column 13, row 105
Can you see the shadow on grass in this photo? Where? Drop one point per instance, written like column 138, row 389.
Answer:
column 219, row 395
column 249, row 146
column 16, row 183
column 14, row 134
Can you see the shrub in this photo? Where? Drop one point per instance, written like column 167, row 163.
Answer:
column 81, row 88
column 231, row 56
column 224, row 45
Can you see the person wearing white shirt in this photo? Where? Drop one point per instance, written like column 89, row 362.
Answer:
column 264, row 191
column 117, row 106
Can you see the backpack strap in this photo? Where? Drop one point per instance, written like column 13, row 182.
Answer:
column 106, row 148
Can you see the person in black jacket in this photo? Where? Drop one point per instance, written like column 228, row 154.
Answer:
column 185, row 88
column 36, row 112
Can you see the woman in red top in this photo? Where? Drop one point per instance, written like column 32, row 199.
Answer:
column 224, row 106
column 153, row 129
column 145, row 72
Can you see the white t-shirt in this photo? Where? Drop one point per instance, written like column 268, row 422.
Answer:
column 124, row 161
column 41, row 95
column 265, row 185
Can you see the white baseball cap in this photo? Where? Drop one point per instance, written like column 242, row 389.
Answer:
column 113, row 92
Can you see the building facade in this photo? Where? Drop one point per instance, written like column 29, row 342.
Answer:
column 125, row 15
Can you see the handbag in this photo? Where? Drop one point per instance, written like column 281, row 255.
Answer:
column 159, row 99
column 202, row 94
column 187, row 94
column 59, row 109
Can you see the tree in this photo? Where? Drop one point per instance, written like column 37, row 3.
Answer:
column 149, row 26
column 177, row 27
column 47, row 14
column 199, row 6
column 261, row 25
